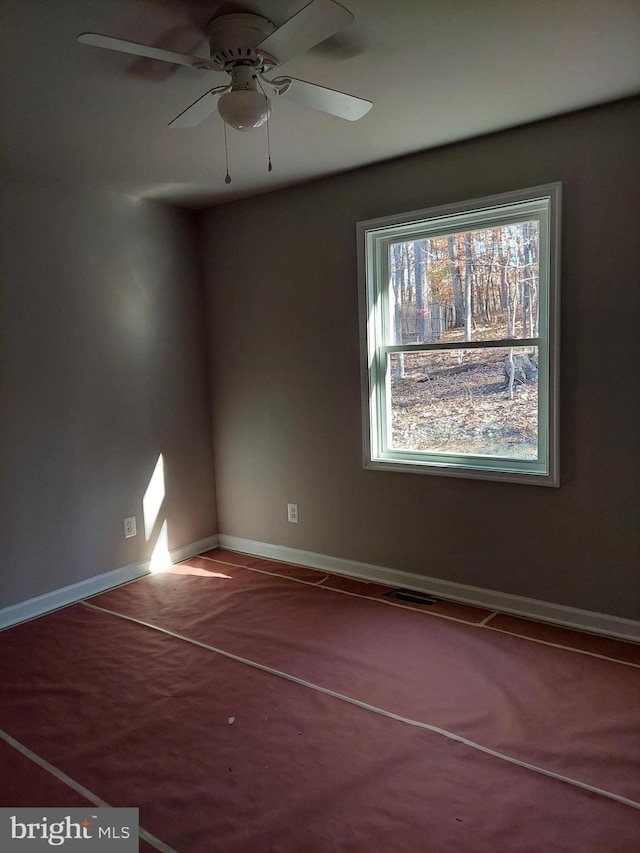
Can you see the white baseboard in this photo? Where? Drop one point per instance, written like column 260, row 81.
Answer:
column 544, row 611
column 41, row 604
column 558, row 614
column 193, row 548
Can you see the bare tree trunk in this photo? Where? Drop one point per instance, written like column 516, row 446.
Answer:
column 397, row 276
column 467, row 287
column 512, row 373
column 524, row 254
column 407, row 269
column 491, row 297
column 506, row 298
column 531, row 258
column 510, row 288
column 422, row 290
column 458, row 301
column 512, row 293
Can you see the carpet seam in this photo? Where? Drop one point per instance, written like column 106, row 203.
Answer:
column 381, row 711
column 436, row 615
column 61, row 776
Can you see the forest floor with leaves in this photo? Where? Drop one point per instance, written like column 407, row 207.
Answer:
column 452, row 404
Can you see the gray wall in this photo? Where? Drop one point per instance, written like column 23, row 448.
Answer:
column 281, row 282
column 103, row 368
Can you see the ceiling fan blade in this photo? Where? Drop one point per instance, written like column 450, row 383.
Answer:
column 326, row 100
column 132, row 47
column 199, row 110
column 311, row 25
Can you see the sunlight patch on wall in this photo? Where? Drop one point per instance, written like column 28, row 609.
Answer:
column 160, row 558
column 153, row 498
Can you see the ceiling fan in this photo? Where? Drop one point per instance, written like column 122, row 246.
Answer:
column 246, row 46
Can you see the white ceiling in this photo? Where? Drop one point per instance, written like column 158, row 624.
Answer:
column 437, row 71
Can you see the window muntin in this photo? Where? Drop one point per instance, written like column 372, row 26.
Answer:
column 459, row 313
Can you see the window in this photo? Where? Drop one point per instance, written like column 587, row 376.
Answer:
column 459, row 325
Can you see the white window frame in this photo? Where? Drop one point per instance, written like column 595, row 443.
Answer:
column 542, row 203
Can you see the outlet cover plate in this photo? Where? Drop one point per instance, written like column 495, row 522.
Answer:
column 129, row 525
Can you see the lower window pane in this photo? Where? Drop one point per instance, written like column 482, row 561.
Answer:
column 482, row 402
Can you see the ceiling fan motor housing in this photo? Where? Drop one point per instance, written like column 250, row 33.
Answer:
column 243, row 79
column 234, row 37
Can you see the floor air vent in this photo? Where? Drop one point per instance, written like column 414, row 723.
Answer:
column 411, row 595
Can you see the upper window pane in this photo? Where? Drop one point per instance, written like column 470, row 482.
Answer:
column 474, row 285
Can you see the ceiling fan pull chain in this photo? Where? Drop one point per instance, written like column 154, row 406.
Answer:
column 269, row 167
column 266, row 103
column 227, row 178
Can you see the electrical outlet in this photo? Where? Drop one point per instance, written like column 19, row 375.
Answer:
column 130, row 527
column 292, row 513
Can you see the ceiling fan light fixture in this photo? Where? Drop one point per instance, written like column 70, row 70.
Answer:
column 244, row 109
